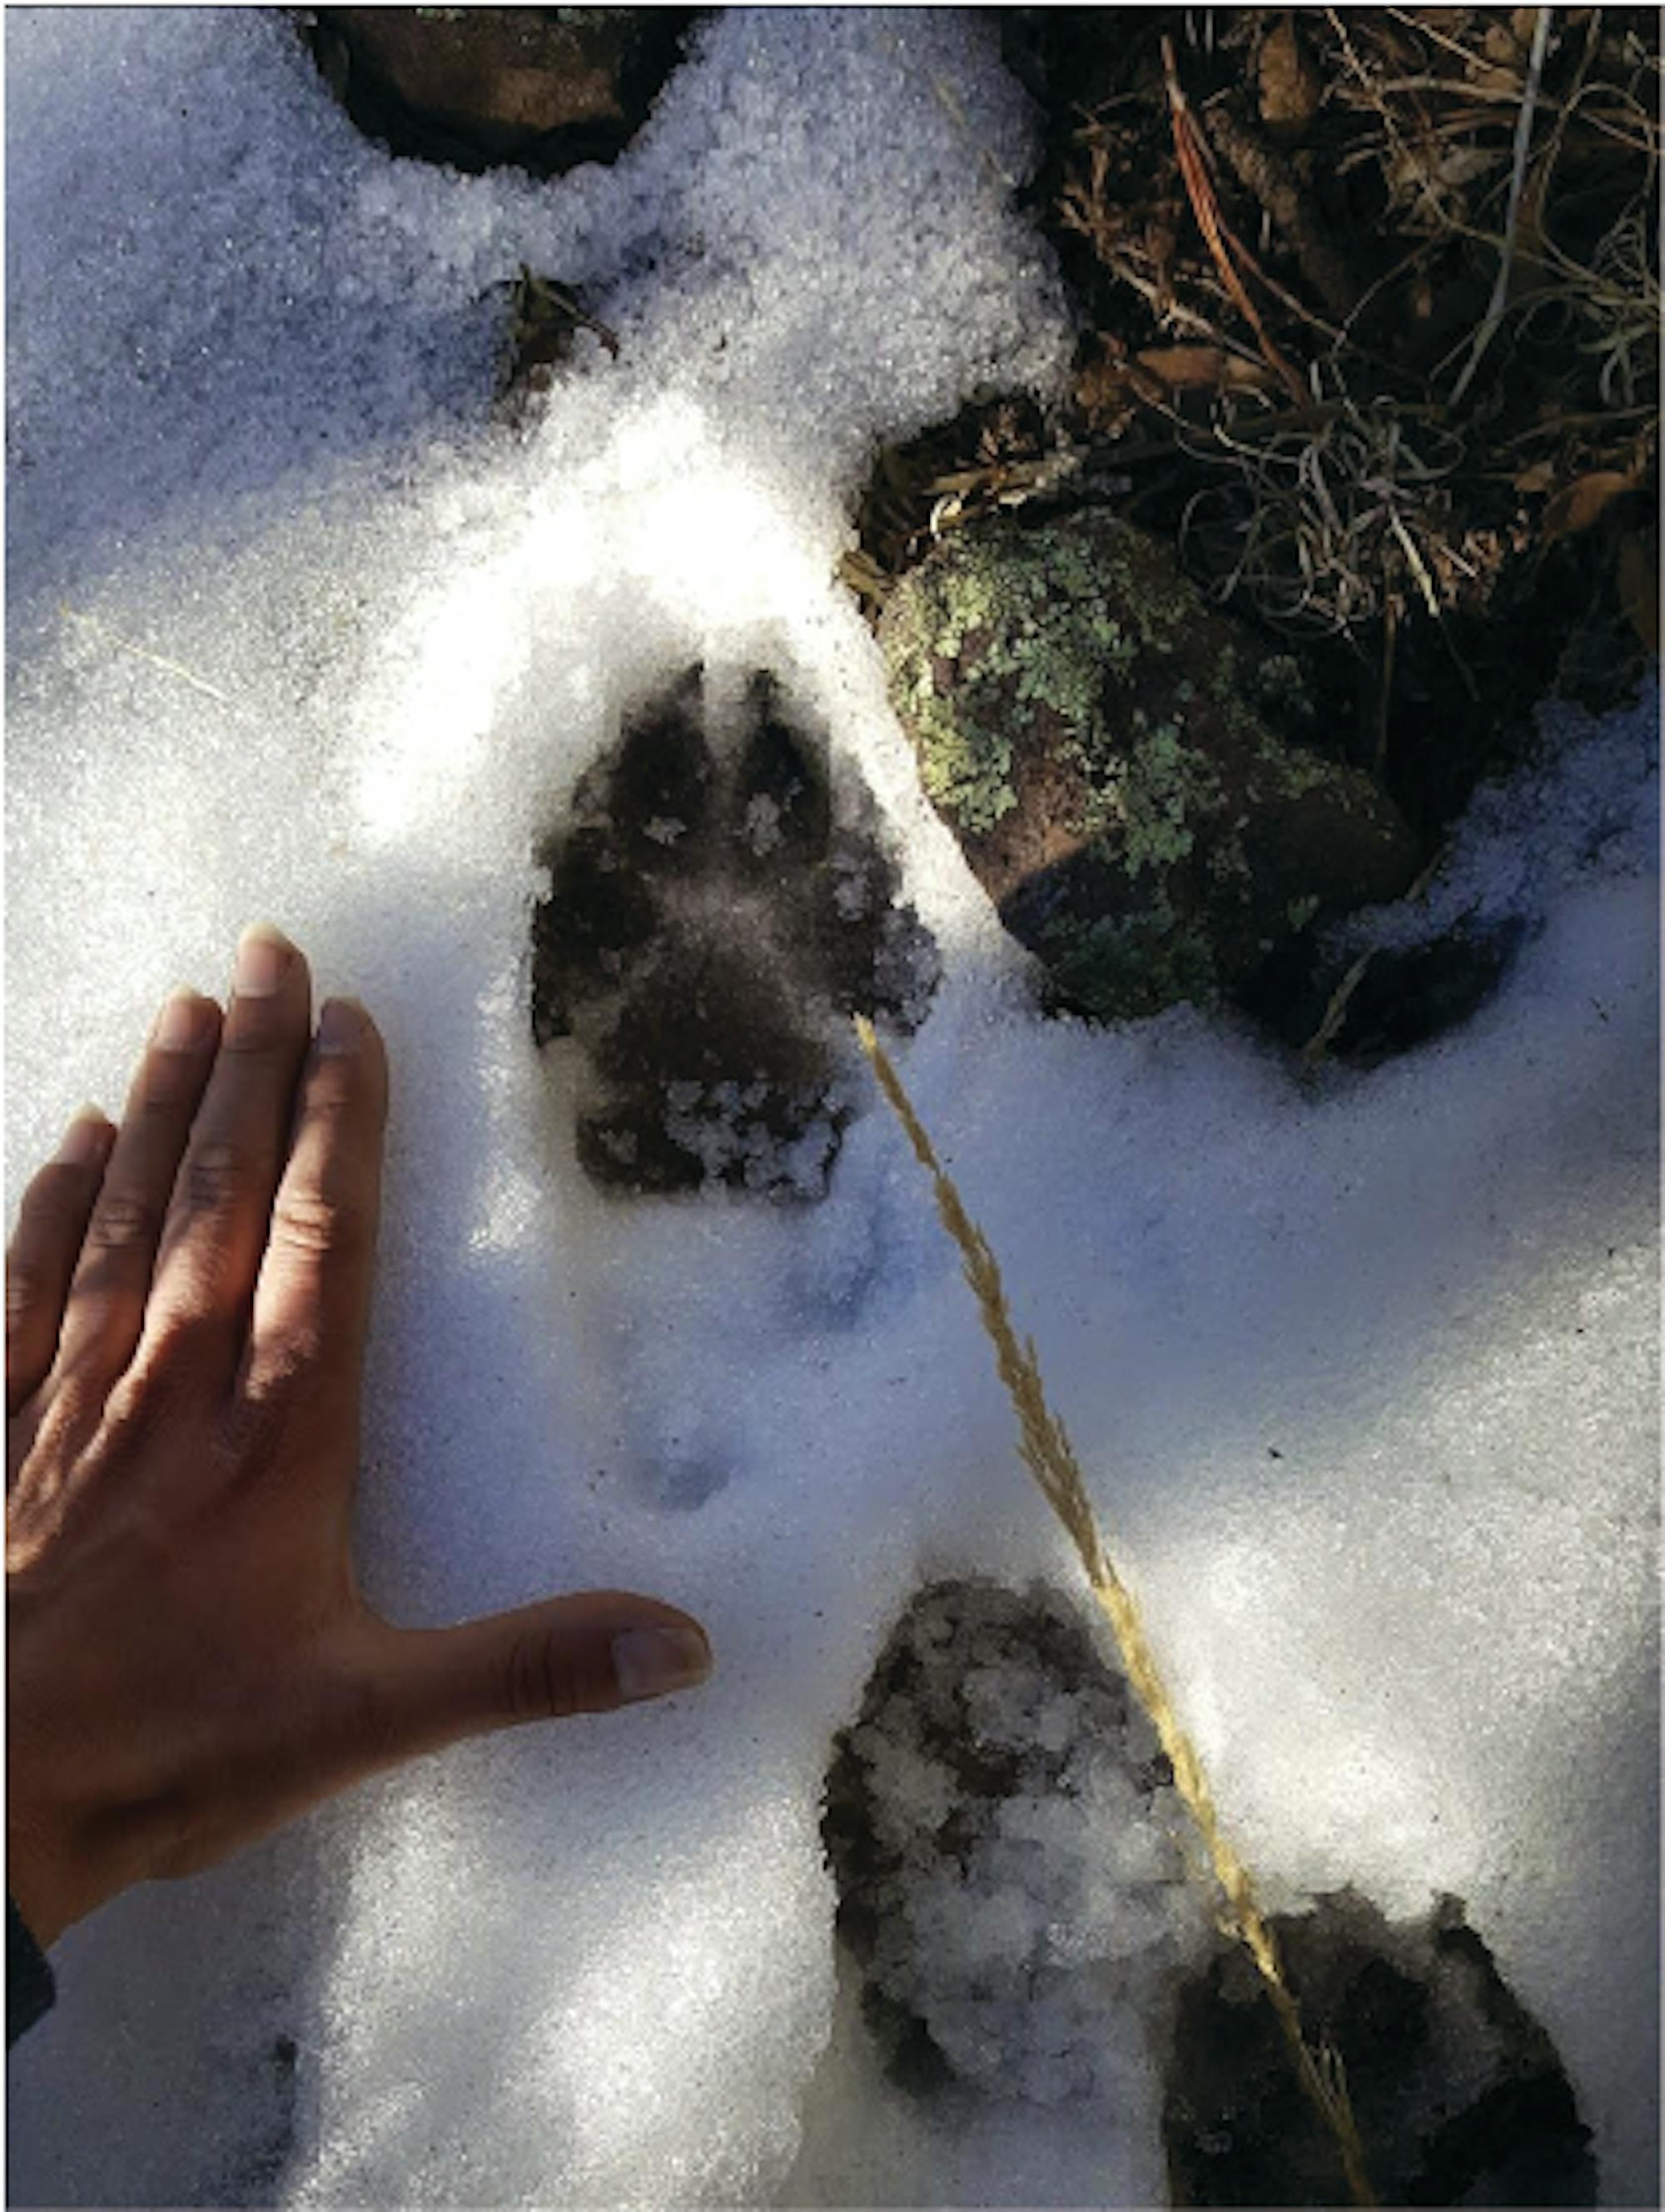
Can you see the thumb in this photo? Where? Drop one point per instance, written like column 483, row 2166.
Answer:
column 586, row 1654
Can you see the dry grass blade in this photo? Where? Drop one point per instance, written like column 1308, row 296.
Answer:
column 1336, row 1011
column 1321, row 519
column 1046, row 1450
column 1500, row 300
column 151, row 660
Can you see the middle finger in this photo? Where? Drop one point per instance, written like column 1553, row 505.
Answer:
column 216, row 1225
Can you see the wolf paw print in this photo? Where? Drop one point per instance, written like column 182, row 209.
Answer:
column 717, row 910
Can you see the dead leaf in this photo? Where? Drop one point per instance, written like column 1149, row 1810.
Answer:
column 1582, row 504
column 1191, row 367
column 1460, row 165
column 1523, row 21
column 1639, row 587
column 1501, row 45
column 1540, row 477
column 1290, row 88
column 1500, row 81
column 1103, row 392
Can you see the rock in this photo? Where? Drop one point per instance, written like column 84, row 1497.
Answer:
column 1339, row 1008
column 1116, row 760
column 542, row 87
column 1457, row 2090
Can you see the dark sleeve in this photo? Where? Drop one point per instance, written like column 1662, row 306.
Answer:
column 29, row 1989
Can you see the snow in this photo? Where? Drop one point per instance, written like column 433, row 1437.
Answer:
column 1364, row 1372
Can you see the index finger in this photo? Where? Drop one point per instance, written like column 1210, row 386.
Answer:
column 312, row 1298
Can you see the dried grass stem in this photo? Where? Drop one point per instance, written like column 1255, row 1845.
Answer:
column 1494, row 312
column 1045, row 1449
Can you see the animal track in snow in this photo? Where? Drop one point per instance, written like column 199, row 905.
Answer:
column 1006, row 1843
column 1001, row 1824
column 717, row 910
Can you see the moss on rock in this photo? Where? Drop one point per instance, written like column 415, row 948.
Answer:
column 1101, row 741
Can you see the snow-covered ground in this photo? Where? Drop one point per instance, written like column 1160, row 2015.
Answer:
column 1365, row 1374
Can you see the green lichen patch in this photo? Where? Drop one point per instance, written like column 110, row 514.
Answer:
column 1111, row 752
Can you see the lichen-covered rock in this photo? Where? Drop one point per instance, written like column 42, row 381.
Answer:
column 542, row 87
column 1114, row 759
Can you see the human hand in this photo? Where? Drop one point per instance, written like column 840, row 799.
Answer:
column 187, row 1302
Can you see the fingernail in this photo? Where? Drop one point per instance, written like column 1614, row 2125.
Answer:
column 648, row 1662
column 86, row 1142
column 339, row 1026
column 179, row 1024
column 263, row 957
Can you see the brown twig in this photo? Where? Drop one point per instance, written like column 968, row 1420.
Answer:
column 1191, row 152
column 1373, row 97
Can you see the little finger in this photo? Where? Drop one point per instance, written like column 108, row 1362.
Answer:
column 51, row 1223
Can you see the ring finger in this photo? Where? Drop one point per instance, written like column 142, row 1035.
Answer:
column 105, row 1312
